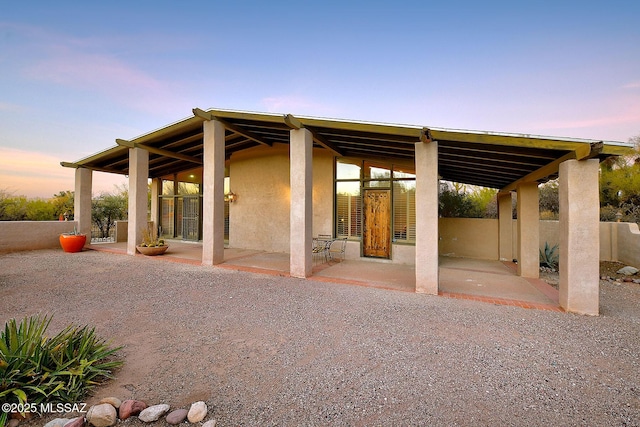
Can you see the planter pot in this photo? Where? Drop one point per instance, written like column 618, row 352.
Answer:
column 72, row 242
column 152, row 250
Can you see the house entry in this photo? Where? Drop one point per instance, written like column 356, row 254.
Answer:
column 376, row 233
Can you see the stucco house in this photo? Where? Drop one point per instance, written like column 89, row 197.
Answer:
column 271, row 182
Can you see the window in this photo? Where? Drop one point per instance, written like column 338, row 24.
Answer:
column 348, row 209
column 352, row 176
column 404, row 211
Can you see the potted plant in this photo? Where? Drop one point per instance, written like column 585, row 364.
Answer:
column 151, row 245
column 73, row 241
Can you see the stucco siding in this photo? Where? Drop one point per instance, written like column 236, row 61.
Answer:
column 468, row 237
column 259, row 218
column 30, row 235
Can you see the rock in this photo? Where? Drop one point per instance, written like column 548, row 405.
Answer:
column 13, row 422
column 76, row 422
column 113, row 401
column 627, row 279
column 210, row 423
column 177, row 416
column 197, row 412
column 131, row 407
column 628, row 270
column 153, row 413
column 57, row 422
column 102, row 415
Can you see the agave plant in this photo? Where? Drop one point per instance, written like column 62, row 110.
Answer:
column 35, row 368
column 549, row 256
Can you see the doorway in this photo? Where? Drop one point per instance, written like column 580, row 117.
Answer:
column 191, row 218
column 376, row 233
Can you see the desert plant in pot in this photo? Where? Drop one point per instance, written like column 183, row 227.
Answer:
column 151, row 244
column 73, row 241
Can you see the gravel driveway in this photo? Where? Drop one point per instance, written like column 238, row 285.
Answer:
column 268, row 350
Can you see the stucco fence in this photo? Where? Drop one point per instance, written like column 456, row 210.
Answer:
column 459, row 237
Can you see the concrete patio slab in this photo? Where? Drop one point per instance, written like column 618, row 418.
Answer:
column 483, row 280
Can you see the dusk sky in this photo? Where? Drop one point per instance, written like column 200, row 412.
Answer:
column 74, row 76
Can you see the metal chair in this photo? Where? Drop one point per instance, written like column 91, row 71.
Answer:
column 337, row 247
column 321, row 246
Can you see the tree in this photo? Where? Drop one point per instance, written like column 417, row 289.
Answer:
column 620, row 187
column 12, row 208
column 106, row 209
column 63, row 203
column 40, row 210
column 549, row 200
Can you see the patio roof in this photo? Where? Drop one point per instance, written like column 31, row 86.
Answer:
column 488, row 159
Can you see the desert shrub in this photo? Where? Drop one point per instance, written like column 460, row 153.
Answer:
column 549, row 256
column 35, row 368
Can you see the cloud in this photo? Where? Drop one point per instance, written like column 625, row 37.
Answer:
column 632, row 85
column 89, row 65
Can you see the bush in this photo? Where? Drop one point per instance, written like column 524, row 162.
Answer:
column 549, row 256
column 37, row 369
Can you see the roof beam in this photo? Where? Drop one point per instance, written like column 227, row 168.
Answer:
column 292, row 122
column 159, row 151
column 93, row 168
column 509, row 140
column 230, row 126
column 425, row 135
column 583, row 152
column 543, row 172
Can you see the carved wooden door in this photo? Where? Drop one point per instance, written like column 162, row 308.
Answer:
column 376, row 233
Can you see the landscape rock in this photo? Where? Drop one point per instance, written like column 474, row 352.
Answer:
column 113, row 401
column 13, row 422
column 197, row 412
column 57, row 422
column 210, row 423
column 177, row 416
column 102, row 415
column 627, row 279
column 628, row 270
column 131, row 407
column 76, row 422
column 153, row 413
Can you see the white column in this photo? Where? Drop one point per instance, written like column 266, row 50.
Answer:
column 505, row 226
column 427, row 186
column 82, row 201
column 138, row 190
column 213, row 193
column 528, row 230
column 579, row 236
column 301, row 212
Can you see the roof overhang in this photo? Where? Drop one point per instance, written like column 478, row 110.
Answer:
column 488, row 159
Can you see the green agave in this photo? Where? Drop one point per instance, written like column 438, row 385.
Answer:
column 35, row 368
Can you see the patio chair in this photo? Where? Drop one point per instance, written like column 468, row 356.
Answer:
column 337, row 248
column 321, row 245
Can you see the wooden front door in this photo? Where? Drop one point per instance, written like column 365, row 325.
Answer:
column 376, row 233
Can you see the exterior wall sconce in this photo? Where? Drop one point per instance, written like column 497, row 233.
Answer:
column 230, row 197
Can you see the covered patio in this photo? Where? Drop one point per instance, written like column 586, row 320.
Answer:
column 296, row 177
column 488, row 281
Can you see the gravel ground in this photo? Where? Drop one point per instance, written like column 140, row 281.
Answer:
column 267, row 350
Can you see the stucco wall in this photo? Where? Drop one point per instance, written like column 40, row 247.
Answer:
column 259, row 218
column 468, row 237
column 628, row 243
column 30, row 235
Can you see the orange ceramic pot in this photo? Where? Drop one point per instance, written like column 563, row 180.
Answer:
column 72, row 242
